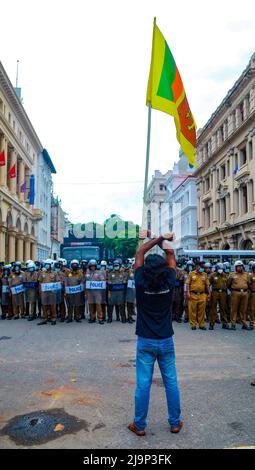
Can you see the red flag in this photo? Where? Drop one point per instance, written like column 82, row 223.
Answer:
column 12, row 172
column 2, row 158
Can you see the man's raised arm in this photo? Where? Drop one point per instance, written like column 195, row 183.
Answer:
column 139, row 259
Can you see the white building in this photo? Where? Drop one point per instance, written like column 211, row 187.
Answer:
column 184, row 215
column 45, row 168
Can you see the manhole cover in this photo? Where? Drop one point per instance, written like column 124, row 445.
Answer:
column 42, row 426
column 5, row 337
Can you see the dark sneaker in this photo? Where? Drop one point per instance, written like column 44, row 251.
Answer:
column 92, row 321
column 225, row 326
column 176, row 429
column 78, row 320
column 193, row 327
column 233, row 327
column 138, row 432
column 211, row 327
column 15, row 318
column 202, row 328
column 101, row 322
column 30, row 319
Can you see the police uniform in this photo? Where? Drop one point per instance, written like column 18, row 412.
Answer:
column 95, row 296
column 218, row 282
column 49, row 295
column 130, row 295
column 117, row 283
column 74, row 288
column 251, row 302
column 5, row 297
column 239, row 285
column 31, row 292
column 198, row 284
column 61, row 306
column 16, row 283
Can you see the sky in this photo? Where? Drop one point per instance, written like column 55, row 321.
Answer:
column 83, row 72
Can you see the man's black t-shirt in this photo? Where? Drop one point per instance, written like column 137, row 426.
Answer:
column 154, row 310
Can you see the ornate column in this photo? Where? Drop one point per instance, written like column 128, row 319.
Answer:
column 2, row 242
column 3, row 169
column 34, row 251
column 20, row 255
column 27, row 249
column 13, row 181
column 245, row 107
column 21, row 179
column 11, row 245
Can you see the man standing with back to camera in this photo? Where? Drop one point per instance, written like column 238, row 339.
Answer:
column 154, row 282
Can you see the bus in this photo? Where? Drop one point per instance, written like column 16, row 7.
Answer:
column 216, row 256
column 78, row 246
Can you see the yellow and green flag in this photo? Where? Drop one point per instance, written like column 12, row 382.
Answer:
column 166, row 93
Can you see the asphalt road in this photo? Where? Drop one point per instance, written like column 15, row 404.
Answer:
column 89, row 371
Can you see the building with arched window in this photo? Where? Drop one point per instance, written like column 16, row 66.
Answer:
column 20, row 191
column 226, row 172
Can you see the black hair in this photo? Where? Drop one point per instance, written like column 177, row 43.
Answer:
column 155, row 272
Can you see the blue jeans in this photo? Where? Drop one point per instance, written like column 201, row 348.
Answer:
column 148, row 350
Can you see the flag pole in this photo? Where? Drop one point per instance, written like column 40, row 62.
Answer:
column 147, row 153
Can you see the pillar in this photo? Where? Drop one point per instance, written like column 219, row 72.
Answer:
column 20, row 256
column 2, row 243
column 34, row 251
column 11, row 246
column 13, row 181
column 240, row 195
column 27, row 249
column 3, row 169
column 21, row 179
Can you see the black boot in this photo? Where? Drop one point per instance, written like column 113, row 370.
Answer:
column 211, row 327
column 42, row 323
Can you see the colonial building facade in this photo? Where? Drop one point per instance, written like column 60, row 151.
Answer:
column 226, row 172
column 20, row 146
column 22, row 151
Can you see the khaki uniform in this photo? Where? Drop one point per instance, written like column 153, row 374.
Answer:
column 178, row 297
column 251, row 302
column 61, row 306
column 49, row 299
column 239, row 284
column 31, row 292
column 5, row 297
column 95, row 297
column 117, row 282
column 74, row 301
column 219, row 296
column 130, row 295
column 16, row 281
column 198, row 284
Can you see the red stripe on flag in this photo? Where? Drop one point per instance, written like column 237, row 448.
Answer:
column 2, row 158
column 12, row 172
